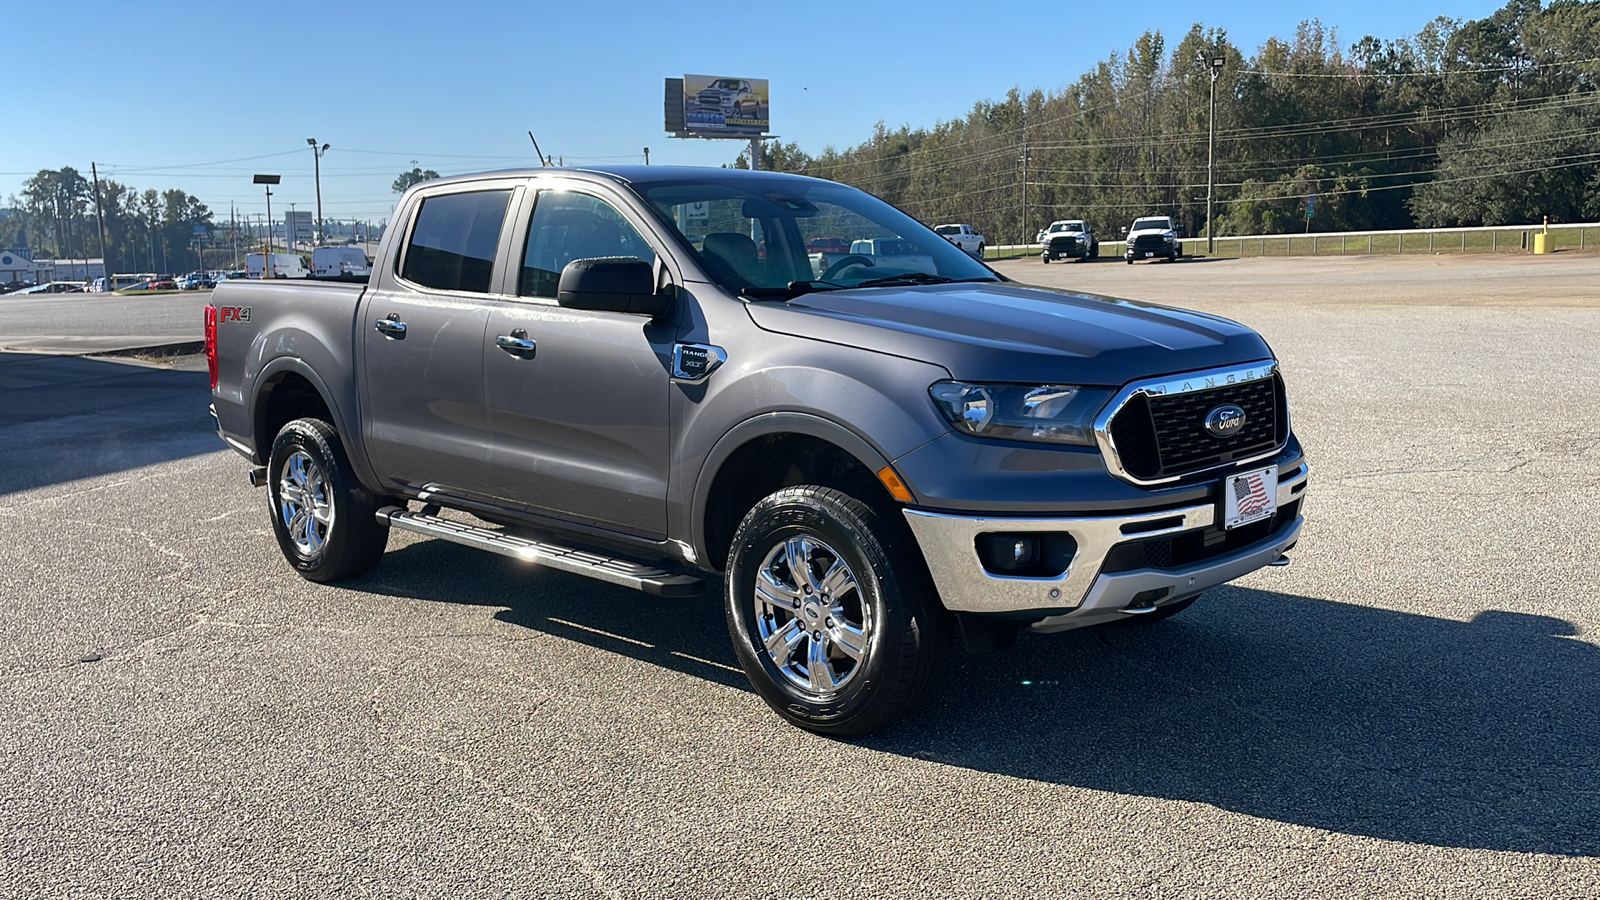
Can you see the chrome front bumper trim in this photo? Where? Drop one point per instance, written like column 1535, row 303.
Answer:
column 949, row 544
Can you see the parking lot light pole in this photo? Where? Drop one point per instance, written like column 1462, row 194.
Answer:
column 266, row 255
column 316, row 155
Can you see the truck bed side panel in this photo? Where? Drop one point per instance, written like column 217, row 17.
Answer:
column 269, row 330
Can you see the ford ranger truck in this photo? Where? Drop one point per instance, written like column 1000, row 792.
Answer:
column 865, row 463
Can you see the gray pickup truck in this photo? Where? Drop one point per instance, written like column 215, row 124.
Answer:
column 637, row 375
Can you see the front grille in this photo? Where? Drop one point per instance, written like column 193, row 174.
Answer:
column 1164, row 436
column 1063, row 244
column 1180, row 550
column 1149, row 242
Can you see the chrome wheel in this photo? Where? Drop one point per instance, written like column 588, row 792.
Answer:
column 305, row 502
column 810, row 615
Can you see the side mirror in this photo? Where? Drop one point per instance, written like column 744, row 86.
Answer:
column 624, row 284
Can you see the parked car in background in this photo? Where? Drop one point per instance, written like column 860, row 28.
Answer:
column 1069, row 239
column 893, row 255
column 348, row 263
column 824, row 252
column 196, row 281
column 964, row 236
column 53, row 287
column 1153, row 237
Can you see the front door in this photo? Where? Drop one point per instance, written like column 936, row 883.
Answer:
column 577, row 399
column 422, row 332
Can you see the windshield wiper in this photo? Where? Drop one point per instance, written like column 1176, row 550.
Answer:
column 915, row 278
column 792, row 290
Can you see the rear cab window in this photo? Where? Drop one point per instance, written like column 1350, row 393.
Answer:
column 452, row 245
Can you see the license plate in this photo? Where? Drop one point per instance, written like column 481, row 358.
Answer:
column 1148, row 255
column 1249, row 497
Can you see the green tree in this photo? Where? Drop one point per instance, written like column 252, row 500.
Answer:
column 417, row 175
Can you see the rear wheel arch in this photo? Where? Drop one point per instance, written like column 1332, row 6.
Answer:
column 288, row 391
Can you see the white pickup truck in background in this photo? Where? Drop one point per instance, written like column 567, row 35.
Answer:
column 964, row 236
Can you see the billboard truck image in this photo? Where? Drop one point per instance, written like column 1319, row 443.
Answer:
column 720, row 105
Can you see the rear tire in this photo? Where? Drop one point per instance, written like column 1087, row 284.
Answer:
column 831, row 612
column 323, row 518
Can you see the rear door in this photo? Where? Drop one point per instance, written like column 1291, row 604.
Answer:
column 422, row 331
column 577, row 399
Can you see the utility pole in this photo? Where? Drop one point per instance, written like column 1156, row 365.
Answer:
column 100, row 223
column 316, row 235
column 1023, row 223
column 1213, row 63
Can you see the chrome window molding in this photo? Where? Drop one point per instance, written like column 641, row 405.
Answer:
column 1166, row 385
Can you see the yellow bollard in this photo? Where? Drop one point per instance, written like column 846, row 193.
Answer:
column 1539, row 245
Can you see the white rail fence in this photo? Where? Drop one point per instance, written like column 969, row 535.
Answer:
column 1485, row 239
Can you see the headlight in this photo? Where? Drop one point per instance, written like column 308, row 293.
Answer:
column 1051, row 413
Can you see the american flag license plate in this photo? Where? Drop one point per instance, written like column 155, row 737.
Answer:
column 1249, row 497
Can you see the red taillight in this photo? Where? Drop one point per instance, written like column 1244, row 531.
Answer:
column 211, row 344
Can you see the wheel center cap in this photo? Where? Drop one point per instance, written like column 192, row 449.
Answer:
column 814, row 614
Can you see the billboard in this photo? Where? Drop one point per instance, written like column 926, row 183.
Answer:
column 724, row 106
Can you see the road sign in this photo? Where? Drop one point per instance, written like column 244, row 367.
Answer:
column 1311, row 205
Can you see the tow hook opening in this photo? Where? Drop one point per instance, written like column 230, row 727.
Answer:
column 1145, row 601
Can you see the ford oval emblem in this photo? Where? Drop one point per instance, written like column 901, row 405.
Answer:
column 1225, row 421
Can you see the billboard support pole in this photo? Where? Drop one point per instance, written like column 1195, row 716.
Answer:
column 755, row 154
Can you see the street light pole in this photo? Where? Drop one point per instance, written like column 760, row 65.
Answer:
column 316, row 155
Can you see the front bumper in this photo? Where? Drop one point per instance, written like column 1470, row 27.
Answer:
column 1084, row 595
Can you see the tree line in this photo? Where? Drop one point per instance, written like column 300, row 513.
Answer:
column 150, row 230
column 1468, row 122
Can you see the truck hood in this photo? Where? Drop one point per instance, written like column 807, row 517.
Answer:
column 1144, row 231
column 1007, row 333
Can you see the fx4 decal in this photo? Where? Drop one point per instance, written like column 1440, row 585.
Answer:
column 233, row 314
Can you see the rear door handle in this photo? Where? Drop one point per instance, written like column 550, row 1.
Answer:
column 517, row 344
column 391, row 327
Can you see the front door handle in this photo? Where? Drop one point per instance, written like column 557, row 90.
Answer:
column 517, row 344
column 391, row 327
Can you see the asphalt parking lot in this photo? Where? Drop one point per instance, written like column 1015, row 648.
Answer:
column 1411, row 709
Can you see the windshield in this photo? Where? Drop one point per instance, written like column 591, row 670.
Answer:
column 1156, row 224
column 1067, row 226
column 764, row 238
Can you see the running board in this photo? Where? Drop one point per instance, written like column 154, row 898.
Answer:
column 624, row 572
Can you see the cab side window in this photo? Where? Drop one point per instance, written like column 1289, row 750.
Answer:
column 453, row 243
column 568, row 226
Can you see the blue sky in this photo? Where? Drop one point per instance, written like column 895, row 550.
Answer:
column 184, row 94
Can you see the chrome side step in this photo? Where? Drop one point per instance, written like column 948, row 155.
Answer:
column 623, row 572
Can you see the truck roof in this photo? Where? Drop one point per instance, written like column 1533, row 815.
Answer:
column 637, row 175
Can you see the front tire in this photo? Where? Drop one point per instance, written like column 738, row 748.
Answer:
column 323, row 518
column 831, row 612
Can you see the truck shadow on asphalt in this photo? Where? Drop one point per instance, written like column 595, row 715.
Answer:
column 71, row 417
column 1357, row 720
